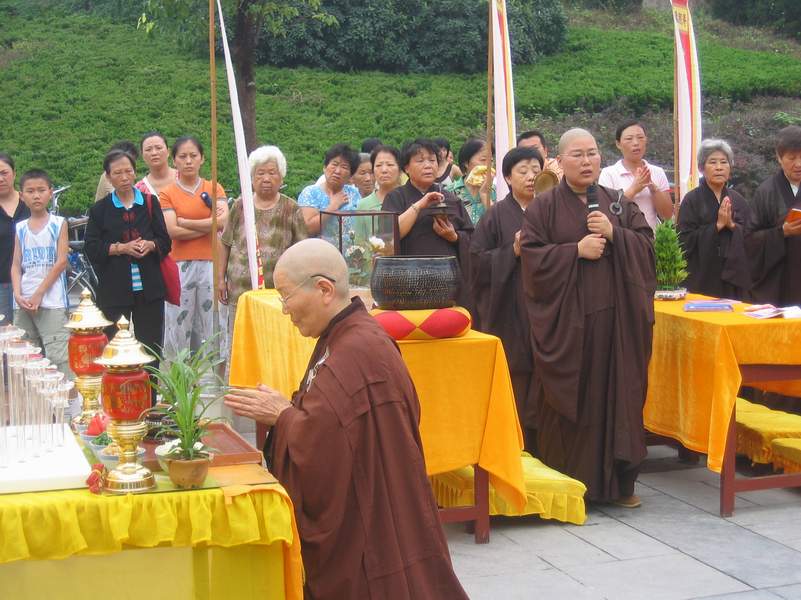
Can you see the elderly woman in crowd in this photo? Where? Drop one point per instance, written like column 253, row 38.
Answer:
column 385, row 161
column 713, row 222
column 497, row 279
column 421, row 231
column 155, row 153
column 187, row 205
column 334, row 193
column 476, row 196
column 12, row 210
column 641, row 182
column 363, row 177
column 126, row 237
column 279, row 224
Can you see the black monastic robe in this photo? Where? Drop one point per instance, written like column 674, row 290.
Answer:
column 349, row 453
column 592, row 326
column 716, row 260
column 776, row 260
column 421, row 239
column 499, row 301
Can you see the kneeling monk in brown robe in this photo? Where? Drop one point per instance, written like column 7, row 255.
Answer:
column 589, row 277
column 347, row 448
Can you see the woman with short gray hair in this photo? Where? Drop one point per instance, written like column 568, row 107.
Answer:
column 713, row 226
column 279, row 224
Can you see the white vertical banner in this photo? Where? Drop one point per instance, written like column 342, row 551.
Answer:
column 505, row 129
column 245, row 184
column 688, row 100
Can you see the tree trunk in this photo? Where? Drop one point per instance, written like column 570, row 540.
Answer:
column 246, row 36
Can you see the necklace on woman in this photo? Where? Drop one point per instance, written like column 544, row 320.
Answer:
column 189, row 191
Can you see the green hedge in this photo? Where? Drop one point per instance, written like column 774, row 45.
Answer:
column 74, row 85
column 413, row 35
column 782, row 15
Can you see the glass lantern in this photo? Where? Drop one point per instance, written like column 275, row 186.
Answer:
column 360, row 236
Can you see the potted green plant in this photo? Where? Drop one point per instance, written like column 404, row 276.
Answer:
column 183, row 385
column 671, row 265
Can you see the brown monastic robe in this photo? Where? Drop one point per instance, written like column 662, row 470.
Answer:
column 776, row 259
column 349, row 453
column 592, row 325
column 500, row 306
column 716, row 260
column 421, row 239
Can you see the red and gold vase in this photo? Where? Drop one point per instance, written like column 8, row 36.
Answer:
column 86, row 344
column 125, row 396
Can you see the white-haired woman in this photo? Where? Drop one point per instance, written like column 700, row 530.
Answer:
column 279, row 224
column 713, row 225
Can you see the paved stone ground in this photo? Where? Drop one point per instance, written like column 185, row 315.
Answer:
column 675, row 547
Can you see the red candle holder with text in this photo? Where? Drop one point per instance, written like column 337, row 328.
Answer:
column 86, row 344
column 126, row 395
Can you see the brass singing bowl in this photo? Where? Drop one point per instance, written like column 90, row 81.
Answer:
column 545, row 181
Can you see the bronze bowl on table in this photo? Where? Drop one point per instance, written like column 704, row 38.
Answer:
column 415, row 282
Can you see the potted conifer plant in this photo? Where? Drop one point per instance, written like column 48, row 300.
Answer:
column 671, row 265
column 184, row 386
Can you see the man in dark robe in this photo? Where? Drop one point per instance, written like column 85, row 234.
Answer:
column 500, row 305
column 589, row 278
column 431, row 221
column 775, row 243
column 347, row 448
column 713, row 226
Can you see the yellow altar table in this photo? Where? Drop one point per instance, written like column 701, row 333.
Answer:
column 468, row 414
column 698, row 363
column 238, row 541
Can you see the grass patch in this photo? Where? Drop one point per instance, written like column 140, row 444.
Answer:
column 73, row 85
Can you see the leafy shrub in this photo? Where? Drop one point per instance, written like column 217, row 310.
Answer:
column 782, row 15
column 71, row 89
column 616, row 5
column 413, row 35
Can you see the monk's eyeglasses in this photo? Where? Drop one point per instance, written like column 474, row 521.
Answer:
column 284, row 299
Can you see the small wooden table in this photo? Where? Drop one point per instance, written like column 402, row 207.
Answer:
column 698, row 364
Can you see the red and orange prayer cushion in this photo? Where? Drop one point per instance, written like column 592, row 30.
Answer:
column 426, row 324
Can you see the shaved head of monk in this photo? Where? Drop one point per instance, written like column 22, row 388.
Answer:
column 579, row 159
column 312, row 280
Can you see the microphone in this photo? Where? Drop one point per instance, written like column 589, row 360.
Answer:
column 592, row 198
column 207, row 199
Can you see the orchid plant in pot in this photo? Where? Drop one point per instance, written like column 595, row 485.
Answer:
column 184, row 385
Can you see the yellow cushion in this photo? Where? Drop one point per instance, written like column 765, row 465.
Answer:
column 744, row 406
column 757, row 429
column 549, row 493
column 787, row 454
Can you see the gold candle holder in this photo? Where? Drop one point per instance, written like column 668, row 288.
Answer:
column 86, row 343
column 126, row 395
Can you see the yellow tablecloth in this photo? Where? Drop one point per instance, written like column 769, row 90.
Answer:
column 694, row 373
column 237, row 542
column 468, row 413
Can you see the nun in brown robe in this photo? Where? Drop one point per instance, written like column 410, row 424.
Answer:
column 589, row 279
column 422, row 231
column 347, row 448
column 774, row 244
column 497, row 283
column 713, row 226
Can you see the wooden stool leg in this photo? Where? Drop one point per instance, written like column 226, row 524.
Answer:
column 728, row 472
column 481, row 487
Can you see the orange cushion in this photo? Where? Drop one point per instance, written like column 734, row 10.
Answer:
column 424, row 324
